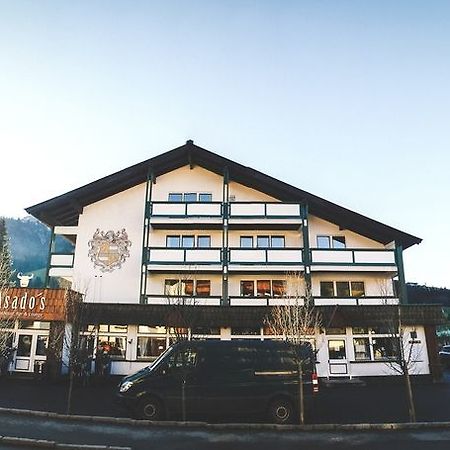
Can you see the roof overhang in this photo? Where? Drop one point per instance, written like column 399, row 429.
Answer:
column 66, row 208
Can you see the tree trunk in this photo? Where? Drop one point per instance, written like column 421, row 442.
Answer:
column 69, row 394
column 183, row 400
column 409, row 393
column 301, row 402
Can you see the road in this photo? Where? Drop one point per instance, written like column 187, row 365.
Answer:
column 198, row 438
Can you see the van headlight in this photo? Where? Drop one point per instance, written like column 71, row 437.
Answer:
column 125, row 386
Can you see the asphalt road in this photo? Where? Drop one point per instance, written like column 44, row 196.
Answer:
column 180, row 438
column 340, row 404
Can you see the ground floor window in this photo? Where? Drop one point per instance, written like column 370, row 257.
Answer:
column 107, row 339
column 372, row 344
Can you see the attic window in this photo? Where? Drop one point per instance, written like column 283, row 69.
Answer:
column 331, row 242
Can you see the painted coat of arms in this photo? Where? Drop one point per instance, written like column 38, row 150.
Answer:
column 109, row 250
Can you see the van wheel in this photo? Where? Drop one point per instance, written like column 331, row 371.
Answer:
column 281, row 411
column 149, row 408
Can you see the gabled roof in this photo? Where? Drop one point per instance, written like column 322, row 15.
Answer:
column 65, row 209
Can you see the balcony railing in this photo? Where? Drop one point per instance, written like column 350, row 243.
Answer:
column 188, row 256
column 266, row 210
column 246, row 210
column 263, row 301
column 349, row 256
column 158, row 299
column 266, row 256
column 61, row 264
column 352, row 301
column 186, row 210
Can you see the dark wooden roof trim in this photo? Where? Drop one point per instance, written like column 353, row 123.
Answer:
column 61, row 211
column 254, row 316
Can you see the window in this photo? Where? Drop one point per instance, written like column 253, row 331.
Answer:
column 185, row 359
column 153, row 330
column 342, row 288
column 244, row 331
column 335, row 330
column 383, row 348
column 326, row 289
column 171, row 287
column 35, row 324
column 357, row 288
column 338, row 241
column 323, row 242
column 371, row 346
column 112, row 339
column 204, row 241
column 175, row 197
column 336, row 349
column 188, row 241
column 246, row 241
column 174, row 287
column 203, row 288
column 150, row 347
column 263, row 288
column 151, row 341
column 172, row 241
column 247, row 289
column 362, row 348
column 278, row 288
column 331, row 242
column 262, row 241
column 277, row 242
column 187, row 287
column 190, row 197
column 204, row 197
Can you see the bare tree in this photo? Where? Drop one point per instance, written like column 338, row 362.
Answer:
column 404, row 354
column 7, row 319
column 182, row 319
column 297, row 321
column 183, row 313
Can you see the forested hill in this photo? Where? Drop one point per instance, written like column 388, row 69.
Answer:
column 29, row 241
column 427, row 294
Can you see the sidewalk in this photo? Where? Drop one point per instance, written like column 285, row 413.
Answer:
column 376, row 403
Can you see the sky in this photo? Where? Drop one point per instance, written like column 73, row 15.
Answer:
column 348, row 100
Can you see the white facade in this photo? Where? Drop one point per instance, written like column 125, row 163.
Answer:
column 263, row 239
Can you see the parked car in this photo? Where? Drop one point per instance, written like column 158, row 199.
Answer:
column 444, row 356
column 194, row 379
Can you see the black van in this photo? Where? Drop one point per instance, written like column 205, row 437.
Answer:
column 194, row 379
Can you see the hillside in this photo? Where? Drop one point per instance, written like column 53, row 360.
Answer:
column 29, row 242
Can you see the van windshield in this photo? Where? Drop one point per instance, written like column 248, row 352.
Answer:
column 160, row 358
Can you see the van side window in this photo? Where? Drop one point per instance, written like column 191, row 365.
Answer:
column 184, row 359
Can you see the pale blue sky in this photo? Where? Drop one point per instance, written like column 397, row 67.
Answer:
column 349, row 100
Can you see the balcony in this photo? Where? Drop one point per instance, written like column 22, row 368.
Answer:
column 269, row 259
column 263, row 301
column 265, row 215
column 61, row 264
column 355, row 301
column 157, row 299
column 184, row 259
column 356, row 259
column 211, row 214
column 183, row 215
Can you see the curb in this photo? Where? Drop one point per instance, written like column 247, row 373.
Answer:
column 42, row 443
column 223, row 427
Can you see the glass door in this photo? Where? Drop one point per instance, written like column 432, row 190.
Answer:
column 23, row 352
column 337, row 357
column 30, row 348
